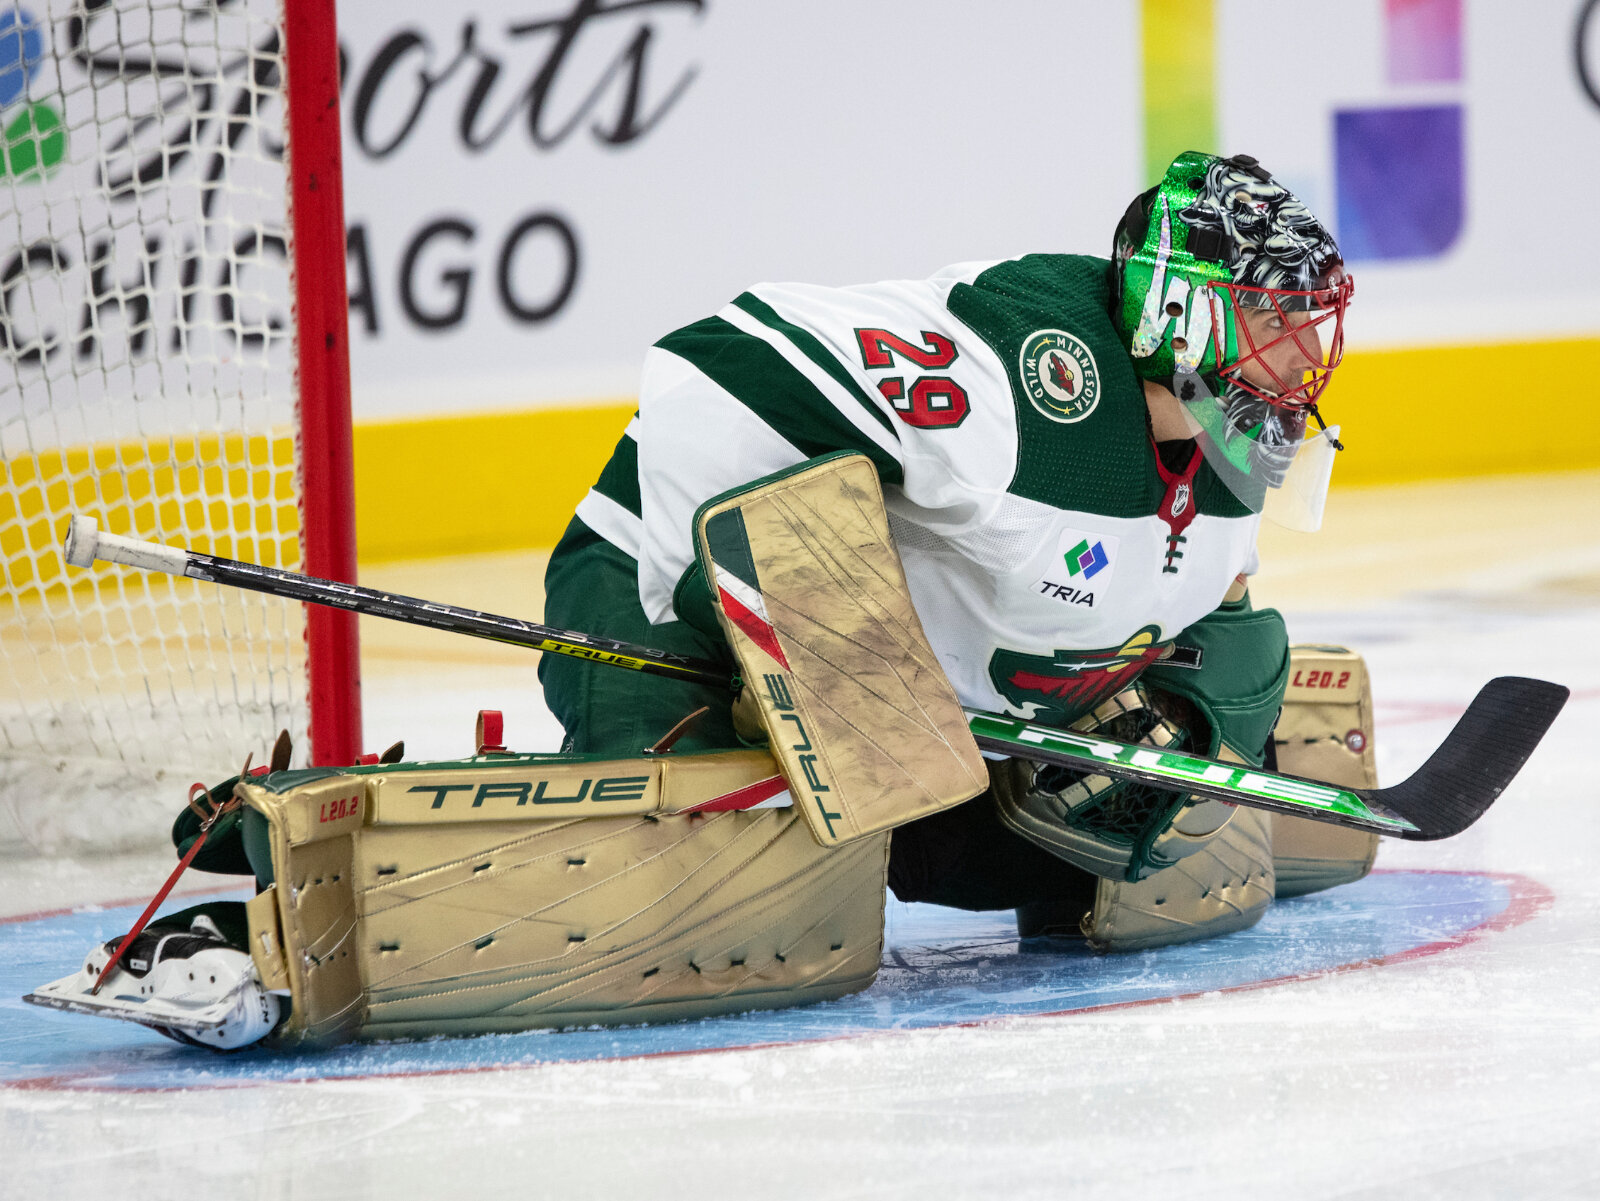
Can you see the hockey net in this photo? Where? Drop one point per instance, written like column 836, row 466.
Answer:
column 148, row 378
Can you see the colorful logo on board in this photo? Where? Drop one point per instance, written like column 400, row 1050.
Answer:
column 1399, row 169
column 1398, row 162
column 32, row 139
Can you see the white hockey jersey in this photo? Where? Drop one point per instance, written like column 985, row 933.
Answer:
column 1048, row 551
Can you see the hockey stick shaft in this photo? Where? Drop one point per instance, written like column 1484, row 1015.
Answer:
column 86, row 542
column 1461, row 779
column 1237, row 784
column 1459, row 782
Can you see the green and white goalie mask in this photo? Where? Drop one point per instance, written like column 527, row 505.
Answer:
column 1231, row 294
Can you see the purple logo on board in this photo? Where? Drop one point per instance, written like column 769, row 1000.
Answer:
column 1400, row 169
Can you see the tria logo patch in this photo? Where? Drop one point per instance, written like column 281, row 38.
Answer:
column 1082, row 566
column 1059, row 375
column 1066, row 593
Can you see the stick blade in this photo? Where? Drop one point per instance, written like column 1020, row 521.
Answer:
column 1479, row 758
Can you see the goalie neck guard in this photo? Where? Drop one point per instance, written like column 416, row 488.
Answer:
column 1232, row 295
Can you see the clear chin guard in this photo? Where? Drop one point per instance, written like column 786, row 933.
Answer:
column 1261, row 451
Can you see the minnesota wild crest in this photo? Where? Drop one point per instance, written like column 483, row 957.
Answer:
column 1058, row 689
column 1059, row 375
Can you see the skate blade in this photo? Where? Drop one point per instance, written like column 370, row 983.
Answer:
column 71, row 996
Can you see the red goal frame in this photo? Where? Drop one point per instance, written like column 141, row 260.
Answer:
column 325, row 457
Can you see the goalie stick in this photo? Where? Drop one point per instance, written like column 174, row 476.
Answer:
column 1461, row 779
column 86, row 542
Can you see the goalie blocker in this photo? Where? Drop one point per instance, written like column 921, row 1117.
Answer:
column 808, row 589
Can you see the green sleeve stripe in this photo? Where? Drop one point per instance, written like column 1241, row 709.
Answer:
column 808, row 344
column 762, row 380
column 619, row 480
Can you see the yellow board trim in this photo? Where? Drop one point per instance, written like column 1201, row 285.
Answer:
column 1443, row 412
column 1407, row 415
column 504, row 481
column 484, row 482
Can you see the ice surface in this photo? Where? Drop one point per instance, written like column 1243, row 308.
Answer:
column 941, row 968
column 1470, row 1072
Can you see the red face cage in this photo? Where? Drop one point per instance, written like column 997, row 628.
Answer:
column 1294, row 360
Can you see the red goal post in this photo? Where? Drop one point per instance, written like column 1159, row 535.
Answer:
column 174, row 361
column 322, row 328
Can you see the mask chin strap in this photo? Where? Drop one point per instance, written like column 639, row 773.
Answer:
column 1309, row 407
column 1316, row 416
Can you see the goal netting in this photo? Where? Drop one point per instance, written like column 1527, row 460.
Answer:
column 148, row 378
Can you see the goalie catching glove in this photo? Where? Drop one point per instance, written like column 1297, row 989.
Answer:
column 1125, row 830
column 1118, row 829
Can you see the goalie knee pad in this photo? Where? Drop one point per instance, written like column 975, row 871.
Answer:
column 1324, row 733
column 1225, row 886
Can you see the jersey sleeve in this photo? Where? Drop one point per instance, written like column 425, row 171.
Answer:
column 781, row 375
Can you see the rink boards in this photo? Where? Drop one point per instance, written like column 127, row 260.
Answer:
column 941, row 968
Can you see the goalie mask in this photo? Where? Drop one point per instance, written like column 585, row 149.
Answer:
column 1231, row 294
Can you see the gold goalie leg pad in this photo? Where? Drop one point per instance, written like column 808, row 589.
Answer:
column 487, row 914
column 613, row 920
column 1324, row 733
column 809, row 589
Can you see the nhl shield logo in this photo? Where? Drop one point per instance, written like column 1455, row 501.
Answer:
column 1059, row 375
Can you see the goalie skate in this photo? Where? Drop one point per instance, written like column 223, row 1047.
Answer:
column 187, row 984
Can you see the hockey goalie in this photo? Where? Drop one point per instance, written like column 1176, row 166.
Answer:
column 1074, row 455
column 1029, row 487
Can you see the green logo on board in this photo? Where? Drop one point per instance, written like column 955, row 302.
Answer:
column 1059, row 375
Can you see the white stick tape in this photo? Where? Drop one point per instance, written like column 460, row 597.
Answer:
column 86, row 543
